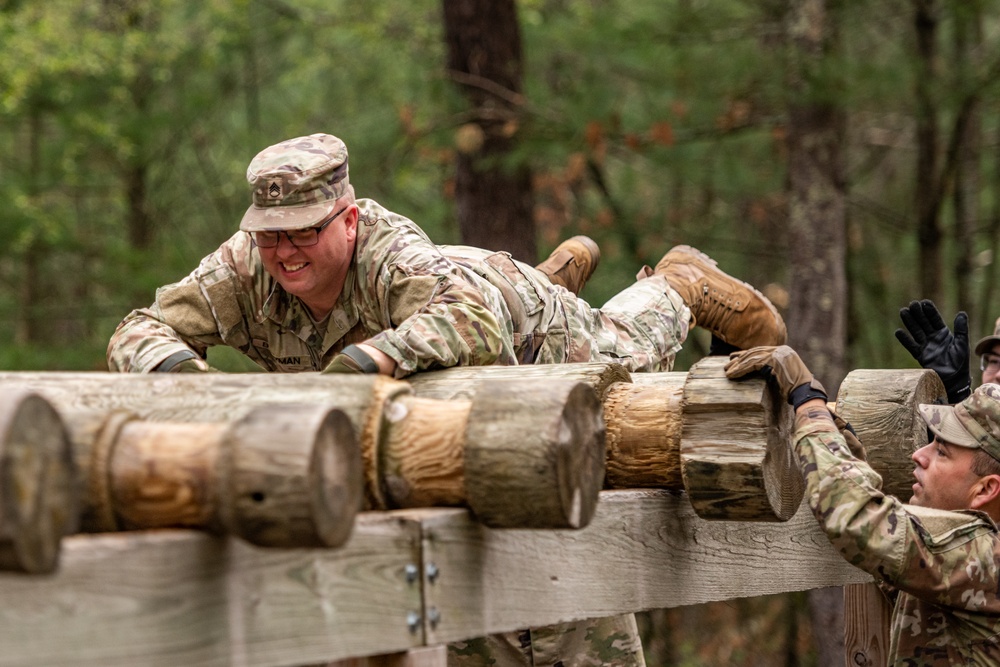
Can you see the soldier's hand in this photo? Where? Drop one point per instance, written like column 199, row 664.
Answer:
column 352, row 360
column 935, row 347
column 795, row 382
column 850, row 437
column 189, row 366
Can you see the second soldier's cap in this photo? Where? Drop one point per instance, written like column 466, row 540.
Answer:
column 973, row 423
column 296, row 183
column 986, row 344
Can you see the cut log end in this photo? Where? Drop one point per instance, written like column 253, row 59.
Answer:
column 293, row 477
column 535, row 454
column 38, row 495
column 736, row 455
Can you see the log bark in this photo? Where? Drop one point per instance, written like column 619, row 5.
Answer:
column 38, row 494
column 881, row 405
column 281, row 475
column 644, row 420
column 736, row 457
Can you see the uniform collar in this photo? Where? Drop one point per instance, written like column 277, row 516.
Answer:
column 289, row 313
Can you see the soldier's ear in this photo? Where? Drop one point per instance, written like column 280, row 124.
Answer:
column 987, row 495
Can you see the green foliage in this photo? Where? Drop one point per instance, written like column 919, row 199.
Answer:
column 127, row 128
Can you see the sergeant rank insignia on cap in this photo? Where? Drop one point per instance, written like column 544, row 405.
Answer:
column 274, row 189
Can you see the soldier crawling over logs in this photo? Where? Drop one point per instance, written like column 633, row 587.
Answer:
column 317, row 280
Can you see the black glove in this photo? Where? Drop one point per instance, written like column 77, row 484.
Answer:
column 934, row 346
column 720, row 348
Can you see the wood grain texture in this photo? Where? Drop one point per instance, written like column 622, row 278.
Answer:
column 644, row 549
column 881, row 405
column 736, row 453
column 461, row 381
column 867, row 614
column 176, row 597
column 643, row 420
column 535, row 454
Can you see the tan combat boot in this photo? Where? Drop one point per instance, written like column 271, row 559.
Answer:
column 572, row 263
column 731, row 309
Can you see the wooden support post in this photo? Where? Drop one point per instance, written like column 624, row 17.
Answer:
column 281, row 475
column 38, row 498
column 867, row 615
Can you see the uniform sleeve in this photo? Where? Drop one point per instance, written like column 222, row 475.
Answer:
column 192, row 314
column 943, row 557
column 435, row 314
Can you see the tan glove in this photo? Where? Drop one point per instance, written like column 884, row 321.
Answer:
column 188, row 366
column 795, row 382
column 853, row 442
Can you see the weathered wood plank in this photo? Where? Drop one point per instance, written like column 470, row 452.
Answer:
column 866, row 625
column 186, row 598
column 644, row 549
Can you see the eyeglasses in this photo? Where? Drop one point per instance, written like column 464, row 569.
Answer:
column 989, row 361
column 300, row 238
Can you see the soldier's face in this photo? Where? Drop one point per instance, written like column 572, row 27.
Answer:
column 315, row 273
column 945, row 480
column 992, row 372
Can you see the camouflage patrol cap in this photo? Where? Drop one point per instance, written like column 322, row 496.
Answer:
column 973, row 423
column 986, row 344
column 296, row 183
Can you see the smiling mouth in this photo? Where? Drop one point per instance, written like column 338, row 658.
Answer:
column 292, row 268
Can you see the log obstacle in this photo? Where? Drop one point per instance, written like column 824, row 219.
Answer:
column 414, row 449
column 881, row 405
column 38, row 496
column 415, row 435
column 735, row 454
column 735, row 460
column 279, row 476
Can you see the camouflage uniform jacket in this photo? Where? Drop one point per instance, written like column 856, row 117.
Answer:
column 943, row 566
column 402, row 295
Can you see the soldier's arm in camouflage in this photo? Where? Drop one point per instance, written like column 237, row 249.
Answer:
column 944, row 557
column 435, row 314
column 184, row 316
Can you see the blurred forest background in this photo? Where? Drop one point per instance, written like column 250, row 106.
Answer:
column 842, row 155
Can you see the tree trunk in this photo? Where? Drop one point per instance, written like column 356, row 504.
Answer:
column 817, row 313
column 493, row 190
column 928, row 204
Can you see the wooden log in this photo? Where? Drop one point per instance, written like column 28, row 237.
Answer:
column 462, row 381
column 881, row 405
column 216, row 397
column 535, row 459
column 282, row 475
column 644, row 421
column 413, row 449
column 735, row 455
column 38, row 497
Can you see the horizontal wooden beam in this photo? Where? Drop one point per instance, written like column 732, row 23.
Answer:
column 404, row 579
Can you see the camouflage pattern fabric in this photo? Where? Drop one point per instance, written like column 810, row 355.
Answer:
column 612, row 641
column 425, row 306
column 944, row 565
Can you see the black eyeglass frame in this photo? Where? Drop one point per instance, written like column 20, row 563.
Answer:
column 984, row 364
column 312, row 239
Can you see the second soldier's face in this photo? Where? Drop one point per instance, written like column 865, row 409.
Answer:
column 315, row 273
column 945, row 480
column 992, row 372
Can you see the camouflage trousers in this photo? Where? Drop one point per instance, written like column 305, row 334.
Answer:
column 642, row 327
column 610, row 641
